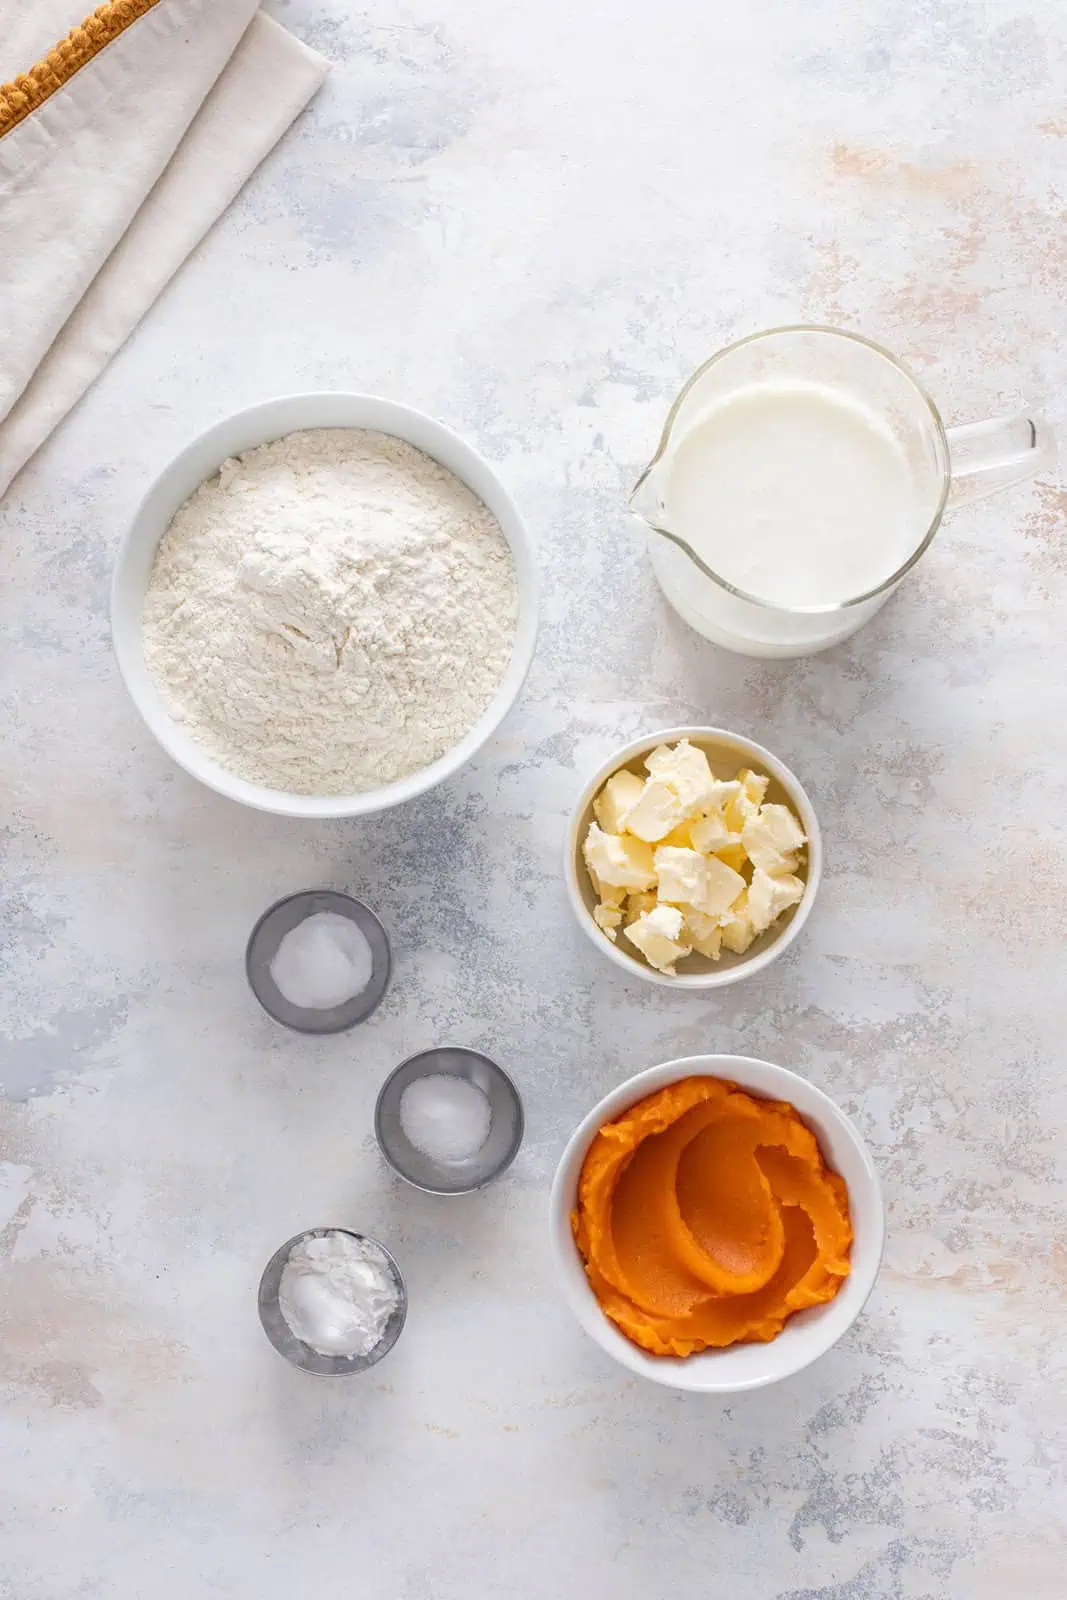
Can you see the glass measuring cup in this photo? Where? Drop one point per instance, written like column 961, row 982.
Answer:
column 945, row 467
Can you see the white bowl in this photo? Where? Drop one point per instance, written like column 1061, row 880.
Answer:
column 728, row 754
column 808, row 1334
column 244, row 431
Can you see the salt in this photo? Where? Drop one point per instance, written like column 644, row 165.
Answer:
column 337, row 1293
column 445, row 1117
column 323, row 962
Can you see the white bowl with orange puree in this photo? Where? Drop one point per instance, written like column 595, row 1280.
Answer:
column 717, row 1223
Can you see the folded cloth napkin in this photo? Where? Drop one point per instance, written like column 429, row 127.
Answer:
column 118, row 151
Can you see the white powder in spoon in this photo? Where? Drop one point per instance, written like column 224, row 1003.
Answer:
column 323, row 962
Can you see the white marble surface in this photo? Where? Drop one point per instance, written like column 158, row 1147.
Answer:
column 533, row 221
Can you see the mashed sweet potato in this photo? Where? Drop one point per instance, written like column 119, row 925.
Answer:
column 706, row 1217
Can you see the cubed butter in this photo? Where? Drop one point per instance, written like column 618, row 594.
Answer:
column 607, row 919
column 657, row 935
column 685, row 770
column 722, row 888
column 638, row 904
column 769, row 896
column 686, row 878
column 737, row 930
column 617, row 860
column 669, row 856
column 609, row 894
column 656, row 813
column 681, row 875
column 680, row 837
column 733, row 855
column 772, row 839
column 620, row 792
column 702, row 932
column 747, row 801
column 708, row 833
column 754, row 785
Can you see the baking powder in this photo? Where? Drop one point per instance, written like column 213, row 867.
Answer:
column 337, row 1293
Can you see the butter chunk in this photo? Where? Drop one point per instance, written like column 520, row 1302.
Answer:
column 737, row 930
column 769, row 896
column 609, row 894
column 702, row 932
column 732, row 854
column 620, row 792
column 687, row 878
column 607, row 919
column 754, row 785
column 638, row 904
column 722, row 889
column 681, row 837
column 709, row 833
column 747, row 801
column 618, row 861
column 684, row 768
column 772, row 839
column 681, row 875
column 657, row 935
column 656, row 813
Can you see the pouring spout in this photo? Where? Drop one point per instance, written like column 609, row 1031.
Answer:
column 645, row 500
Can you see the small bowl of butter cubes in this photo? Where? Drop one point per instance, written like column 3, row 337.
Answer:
column 693, row 858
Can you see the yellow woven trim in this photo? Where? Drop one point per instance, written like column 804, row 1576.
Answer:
column 31, row 89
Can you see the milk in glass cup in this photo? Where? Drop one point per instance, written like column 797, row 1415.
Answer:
column 801, row 474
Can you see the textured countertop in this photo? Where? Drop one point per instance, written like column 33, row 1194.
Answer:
column 533, row 221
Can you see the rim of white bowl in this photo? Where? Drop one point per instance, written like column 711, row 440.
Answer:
column 708, row 1371
column 746, row 966
column 260, row 424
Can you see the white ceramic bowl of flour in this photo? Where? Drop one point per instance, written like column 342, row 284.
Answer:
column 202, row 458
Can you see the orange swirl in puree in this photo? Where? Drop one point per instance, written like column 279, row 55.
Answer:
column 706, row 1217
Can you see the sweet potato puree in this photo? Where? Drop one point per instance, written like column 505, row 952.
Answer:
column 706, row 1217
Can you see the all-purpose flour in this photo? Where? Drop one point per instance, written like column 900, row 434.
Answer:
column 331, row 612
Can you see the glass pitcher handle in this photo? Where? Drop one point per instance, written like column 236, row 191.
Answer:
column 987, row 456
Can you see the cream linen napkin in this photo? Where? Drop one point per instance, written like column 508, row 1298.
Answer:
column 122, row 147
